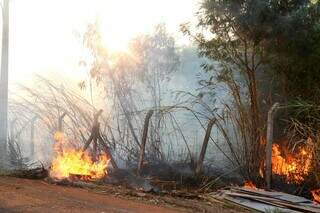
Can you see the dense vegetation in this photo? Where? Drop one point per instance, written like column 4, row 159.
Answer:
column 254, row 53
column 263, row 52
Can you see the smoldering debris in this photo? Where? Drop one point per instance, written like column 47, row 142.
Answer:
column 30, row 173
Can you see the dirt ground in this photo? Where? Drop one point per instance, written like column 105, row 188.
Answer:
column 22, row 195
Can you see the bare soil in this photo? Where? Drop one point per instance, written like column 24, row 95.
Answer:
column 23, row 195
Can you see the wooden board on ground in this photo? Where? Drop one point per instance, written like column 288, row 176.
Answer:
column 261, row 200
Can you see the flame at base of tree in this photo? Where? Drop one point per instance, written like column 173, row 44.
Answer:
column 69, row 161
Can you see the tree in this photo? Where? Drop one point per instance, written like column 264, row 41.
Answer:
column 249, row 38
column 135, row 75
column 238, row 58
column 294, row 48
column 115, row 71
column 157, row 58
column 4, row 81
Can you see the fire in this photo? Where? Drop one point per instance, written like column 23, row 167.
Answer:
column 316, row 195
column 249, row 185
column 72, row 162
column 293, row 166
column 69, row 161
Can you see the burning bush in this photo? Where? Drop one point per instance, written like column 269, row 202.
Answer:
column 293, row 166
column 69, row 161
column 73, row 162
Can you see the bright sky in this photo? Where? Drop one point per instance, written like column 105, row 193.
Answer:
column 43, row 33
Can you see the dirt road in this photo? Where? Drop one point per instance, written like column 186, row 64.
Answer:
column 22, row 195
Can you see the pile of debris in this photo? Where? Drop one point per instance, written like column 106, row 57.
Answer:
column 263, row 201
column 38, row 172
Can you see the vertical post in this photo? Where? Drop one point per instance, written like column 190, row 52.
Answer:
column 4, row 82
column 268, row 165
column 94, row 136
column 204, row 146
column 144, row 140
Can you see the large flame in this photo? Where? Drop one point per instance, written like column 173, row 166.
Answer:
column 69, row 161
column 293, row 166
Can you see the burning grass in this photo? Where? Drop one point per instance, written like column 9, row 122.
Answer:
column 73, row 162
column 295, row 169
column 316, row 195
column 293, row 166
column 249, row 185
column 69, row 161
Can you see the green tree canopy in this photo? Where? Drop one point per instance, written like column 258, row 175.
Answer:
column 249, row 38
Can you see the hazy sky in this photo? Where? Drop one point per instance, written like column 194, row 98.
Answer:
column 43, row 32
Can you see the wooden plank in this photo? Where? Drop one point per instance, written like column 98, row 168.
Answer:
column 279, row 195
column 275, row 202
column 258, row 206
column 261, row 199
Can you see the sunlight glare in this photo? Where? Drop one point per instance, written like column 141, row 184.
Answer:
column 46, row 30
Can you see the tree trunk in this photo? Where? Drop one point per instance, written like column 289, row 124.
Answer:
column 4, row 82
column 254, row 105
column 254, row 146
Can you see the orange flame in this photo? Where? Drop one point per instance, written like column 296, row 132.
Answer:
column 316, row 195
column 249, row 185
column 69, row 161
column 294, row 166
